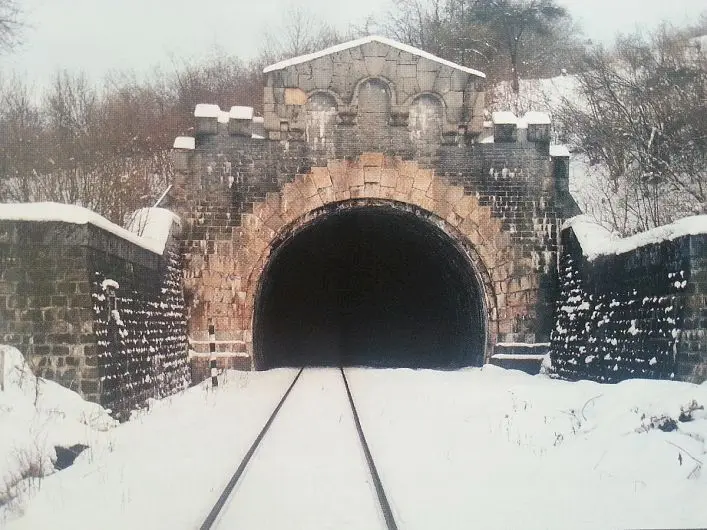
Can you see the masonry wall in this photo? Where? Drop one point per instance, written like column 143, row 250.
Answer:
column 640, row 314
column 227, row 175
column 372, row 100
column 45, row 302
column 55, row 310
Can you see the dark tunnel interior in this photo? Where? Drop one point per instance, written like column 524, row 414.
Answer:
column 369, row 287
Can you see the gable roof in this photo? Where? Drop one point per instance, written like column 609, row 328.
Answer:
column 365, row 40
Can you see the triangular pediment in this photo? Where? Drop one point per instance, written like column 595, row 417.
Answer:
column 367, row 40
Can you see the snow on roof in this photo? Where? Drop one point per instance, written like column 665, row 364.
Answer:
column 257, row 136
column 559, row 150
column 258, row 119
column 505, row 117
column 365, row 40
column 207, row 110
column 184, row 142
column 598, row 241
column 241, row 113
column 70, row 213
column 534, row 117
column 223, row 116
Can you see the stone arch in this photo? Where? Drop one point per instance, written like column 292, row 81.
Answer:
column 374, row 100
column 388, row 84
column 321, row 110
column 426, row 122
column 375, row 178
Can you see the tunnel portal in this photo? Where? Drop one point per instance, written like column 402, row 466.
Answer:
column 369, row 286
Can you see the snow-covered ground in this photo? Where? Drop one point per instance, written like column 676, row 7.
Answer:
column 484, row 448
column 37, row 415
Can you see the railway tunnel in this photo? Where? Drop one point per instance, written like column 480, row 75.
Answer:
column 369, row 286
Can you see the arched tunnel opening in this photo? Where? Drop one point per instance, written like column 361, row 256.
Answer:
column 369, row 286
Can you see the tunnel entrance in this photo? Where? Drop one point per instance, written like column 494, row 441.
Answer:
column 369, row 286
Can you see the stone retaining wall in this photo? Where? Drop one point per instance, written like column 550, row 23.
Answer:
column 641, row 313
column 54, row 309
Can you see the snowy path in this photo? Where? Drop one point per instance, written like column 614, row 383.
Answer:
column 309, row 471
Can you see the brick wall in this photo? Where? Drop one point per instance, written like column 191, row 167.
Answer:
column 636, row 314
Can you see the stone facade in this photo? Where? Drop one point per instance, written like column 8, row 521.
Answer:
column 641, row 313
column 54, row 307
column 369, row 125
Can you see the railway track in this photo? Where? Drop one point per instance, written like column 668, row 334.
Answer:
column 367, row 473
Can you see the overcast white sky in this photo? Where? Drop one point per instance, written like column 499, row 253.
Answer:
column 99, row 35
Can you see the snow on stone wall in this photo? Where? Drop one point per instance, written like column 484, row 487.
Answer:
column 141, row 333
column 57, row 270
column 639, row 313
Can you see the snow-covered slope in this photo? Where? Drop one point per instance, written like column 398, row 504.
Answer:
column 35, row 416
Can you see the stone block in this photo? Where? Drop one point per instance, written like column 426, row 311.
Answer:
column 306, row 186
column 426, row 80
column 422, row 179
column 427, row 65
column 372, row 190
column 321, row 177
column 442, row 84
column 371, row 174
column 375, row 65
column 407, row 71
column 404, row 184
column 327, row 195
column 389, row 178
column 372, row 160
column 459, row 80
column 374, row 49
column 356, row 191
column 355, row 178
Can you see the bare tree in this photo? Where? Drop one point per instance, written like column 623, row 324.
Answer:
column 11, row 24
column 21, row 141
column 299, row 33
column 514, row 21
column 501, row 37
column 640, row 119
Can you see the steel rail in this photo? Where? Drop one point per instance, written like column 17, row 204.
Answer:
column 220, row 503
column 380, row 492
